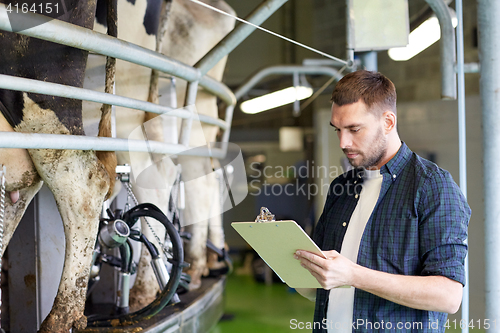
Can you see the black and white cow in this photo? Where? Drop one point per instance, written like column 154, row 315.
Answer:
column 78, row 179
column 191, row 32
column 203, row 28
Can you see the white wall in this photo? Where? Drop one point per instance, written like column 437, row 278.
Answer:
column 261, row 49
column 432, row 126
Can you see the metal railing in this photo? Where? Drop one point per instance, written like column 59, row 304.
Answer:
column 71, row 35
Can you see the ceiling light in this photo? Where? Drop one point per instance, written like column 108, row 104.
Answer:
column 421, row 38
column 275, row 99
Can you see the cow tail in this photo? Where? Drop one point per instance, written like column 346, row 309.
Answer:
column 108, row 158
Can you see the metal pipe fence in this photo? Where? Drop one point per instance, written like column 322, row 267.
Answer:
column 71, row 35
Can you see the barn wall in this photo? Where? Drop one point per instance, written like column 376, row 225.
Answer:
column 431, row 128
column 261, row 49
column 427, row 124
column 417, row 79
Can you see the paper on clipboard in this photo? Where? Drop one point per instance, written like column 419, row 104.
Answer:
column 276, row 243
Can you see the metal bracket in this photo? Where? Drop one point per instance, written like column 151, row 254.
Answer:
column 265, row 215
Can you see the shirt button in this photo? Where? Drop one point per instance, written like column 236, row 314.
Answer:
column 355, row 182
column 356, row 196
column 394, row 176
column 344, row 224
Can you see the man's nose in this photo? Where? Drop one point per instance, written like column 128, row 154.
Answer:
column 345, row 140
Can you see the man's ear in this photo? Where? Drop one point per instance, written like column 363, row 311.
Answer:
column 390, row 121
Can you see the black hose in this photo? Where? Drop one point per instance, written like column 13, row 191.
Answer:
column 150, row 246
column 130, row 217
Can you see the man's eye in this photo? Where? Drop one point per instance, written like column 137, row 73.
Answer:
column 337, row 130
column 355, row 130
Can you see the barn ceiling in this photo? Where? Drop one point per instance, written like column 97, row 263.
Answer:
column 298, row 20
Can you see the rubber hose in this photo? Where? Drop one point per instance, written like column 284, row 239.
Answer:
column 166, row 295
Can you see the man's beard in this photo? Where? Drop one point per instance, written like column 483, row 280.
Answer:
column 374, row 155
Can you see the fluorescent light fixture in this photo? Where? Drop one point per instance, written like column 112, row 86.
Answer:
column 421, row 38
column 275, row 99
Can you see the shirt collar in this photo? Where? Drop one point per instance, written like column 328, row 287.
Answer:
column 372, row 174
column 393, row 167
column 398, row 162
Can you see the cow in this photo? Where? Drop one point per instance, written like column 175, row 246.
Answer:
column 79, row 180
column 133, row 81
column 203, row 213
column 87, row 175
column 191, row 31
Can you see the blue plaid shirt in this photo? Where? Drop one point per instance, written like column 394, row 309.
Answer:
column 418, row 227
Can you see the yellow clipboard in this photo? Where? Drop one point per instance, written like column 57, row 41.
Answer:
column 276, row 243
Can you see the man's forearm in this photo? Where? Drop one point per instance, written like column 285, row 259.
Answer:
column 432, row 293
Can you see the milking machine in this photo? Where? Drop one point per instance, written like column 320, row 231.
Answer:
column 116, row 234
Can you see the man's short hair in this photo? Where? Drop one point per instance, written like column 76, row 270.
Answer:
column 373, row 88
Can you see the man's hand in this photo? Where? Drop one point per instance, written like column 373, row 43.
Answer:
column 333, row 272
column 431, row 293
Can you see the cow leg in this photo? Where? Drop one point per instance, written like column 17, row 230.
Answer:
column 200, row 200
column 152, row 184
column 79, row 183
column 215, row 228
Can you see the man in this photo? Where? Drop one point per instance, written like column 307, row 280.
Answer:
column 395, row 237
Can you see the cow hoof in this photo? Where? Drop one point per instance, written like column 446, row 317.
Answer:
column 216, row 267
column 80, row 323
column 195, row 278
column 53, row 324
column 62, row 318
column 195, row 284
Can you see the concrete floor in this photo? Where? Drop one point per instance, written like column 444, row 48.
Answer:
column 256, row 307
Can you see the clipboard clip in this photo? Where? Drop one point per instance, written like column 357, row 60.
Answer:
column 265, row 215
